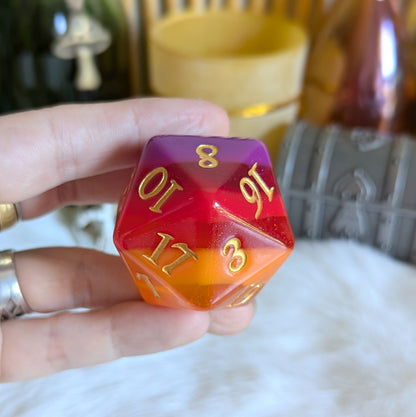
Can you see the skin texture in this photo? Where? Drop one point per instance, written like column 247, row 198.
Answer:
column 84, row 154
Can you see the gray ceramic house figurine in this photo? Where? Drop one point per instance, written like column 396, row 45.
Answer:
column 355, row 183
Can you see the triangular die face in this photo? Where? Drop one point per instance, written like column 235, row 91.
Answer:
column 153, row 196
column 174, row 272
column 153, row 288
column 272, row 221
column 256, row 200
column 190, row 223
column 256, row 251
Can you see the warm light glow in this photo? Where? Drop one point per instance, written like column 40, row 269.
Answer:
column 388, row 48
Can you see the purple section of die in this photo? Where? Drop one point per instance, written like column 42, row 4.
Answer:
column 179, row 149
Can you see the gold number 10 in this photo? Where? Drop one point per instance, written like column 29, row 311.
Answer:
column 158, row 188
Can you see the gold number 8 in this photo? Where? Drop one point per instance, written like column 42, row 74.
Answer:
column 207, row 159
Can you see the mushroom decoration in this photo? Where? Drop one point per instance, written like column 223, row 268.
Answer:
column 84, row 38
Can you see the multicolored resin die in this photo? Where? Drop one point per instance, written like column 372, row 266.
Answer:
column 202, row 224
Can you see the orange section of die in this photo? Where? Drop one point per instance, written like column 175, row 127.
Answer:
column 212, row 284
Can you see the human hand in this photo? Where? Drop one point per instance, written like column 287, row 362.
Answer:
column 84, row 154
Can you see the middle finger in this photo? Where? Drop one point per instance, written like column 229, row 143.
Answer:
column 56, row 279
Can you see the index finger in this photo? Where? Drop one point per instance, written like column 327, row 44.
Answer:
column 45, row 148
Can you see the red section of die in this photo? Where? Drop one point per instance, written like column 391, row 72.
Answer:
column 202, row 224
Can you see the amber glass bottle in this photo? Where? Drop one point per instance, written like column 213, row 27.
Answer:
column 355, row 75
column 409, row 19
column 56, row 51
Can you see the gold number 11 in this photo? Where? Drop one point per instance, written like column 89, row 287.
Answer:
column 183, row 247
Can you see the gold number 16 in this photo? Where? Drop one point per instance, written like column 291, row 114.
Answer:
column 255, row 196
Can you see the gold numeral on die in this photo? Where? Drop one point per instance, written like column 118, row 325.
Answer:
column 246, row 295
column 146, row 279
column 174, row 186
column 255, row 196
column 183, row 247
column 207, row 160
column 239, row 256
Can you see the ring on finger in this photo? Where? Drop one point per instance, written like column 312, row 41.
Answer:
column 9, row 215
column 12, row 303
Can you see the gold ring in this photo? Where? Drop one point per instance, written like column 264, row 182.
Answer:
column 9, row 215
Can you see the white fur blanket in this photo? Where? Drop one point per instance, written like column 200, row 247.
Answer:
column 334, row 336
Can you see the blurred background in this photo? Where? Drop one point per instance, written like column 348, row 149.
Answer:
column 326, row 55
column 329, row 56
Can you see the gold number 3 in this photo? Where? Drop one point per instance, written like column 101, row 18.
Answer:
column 239, row 258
